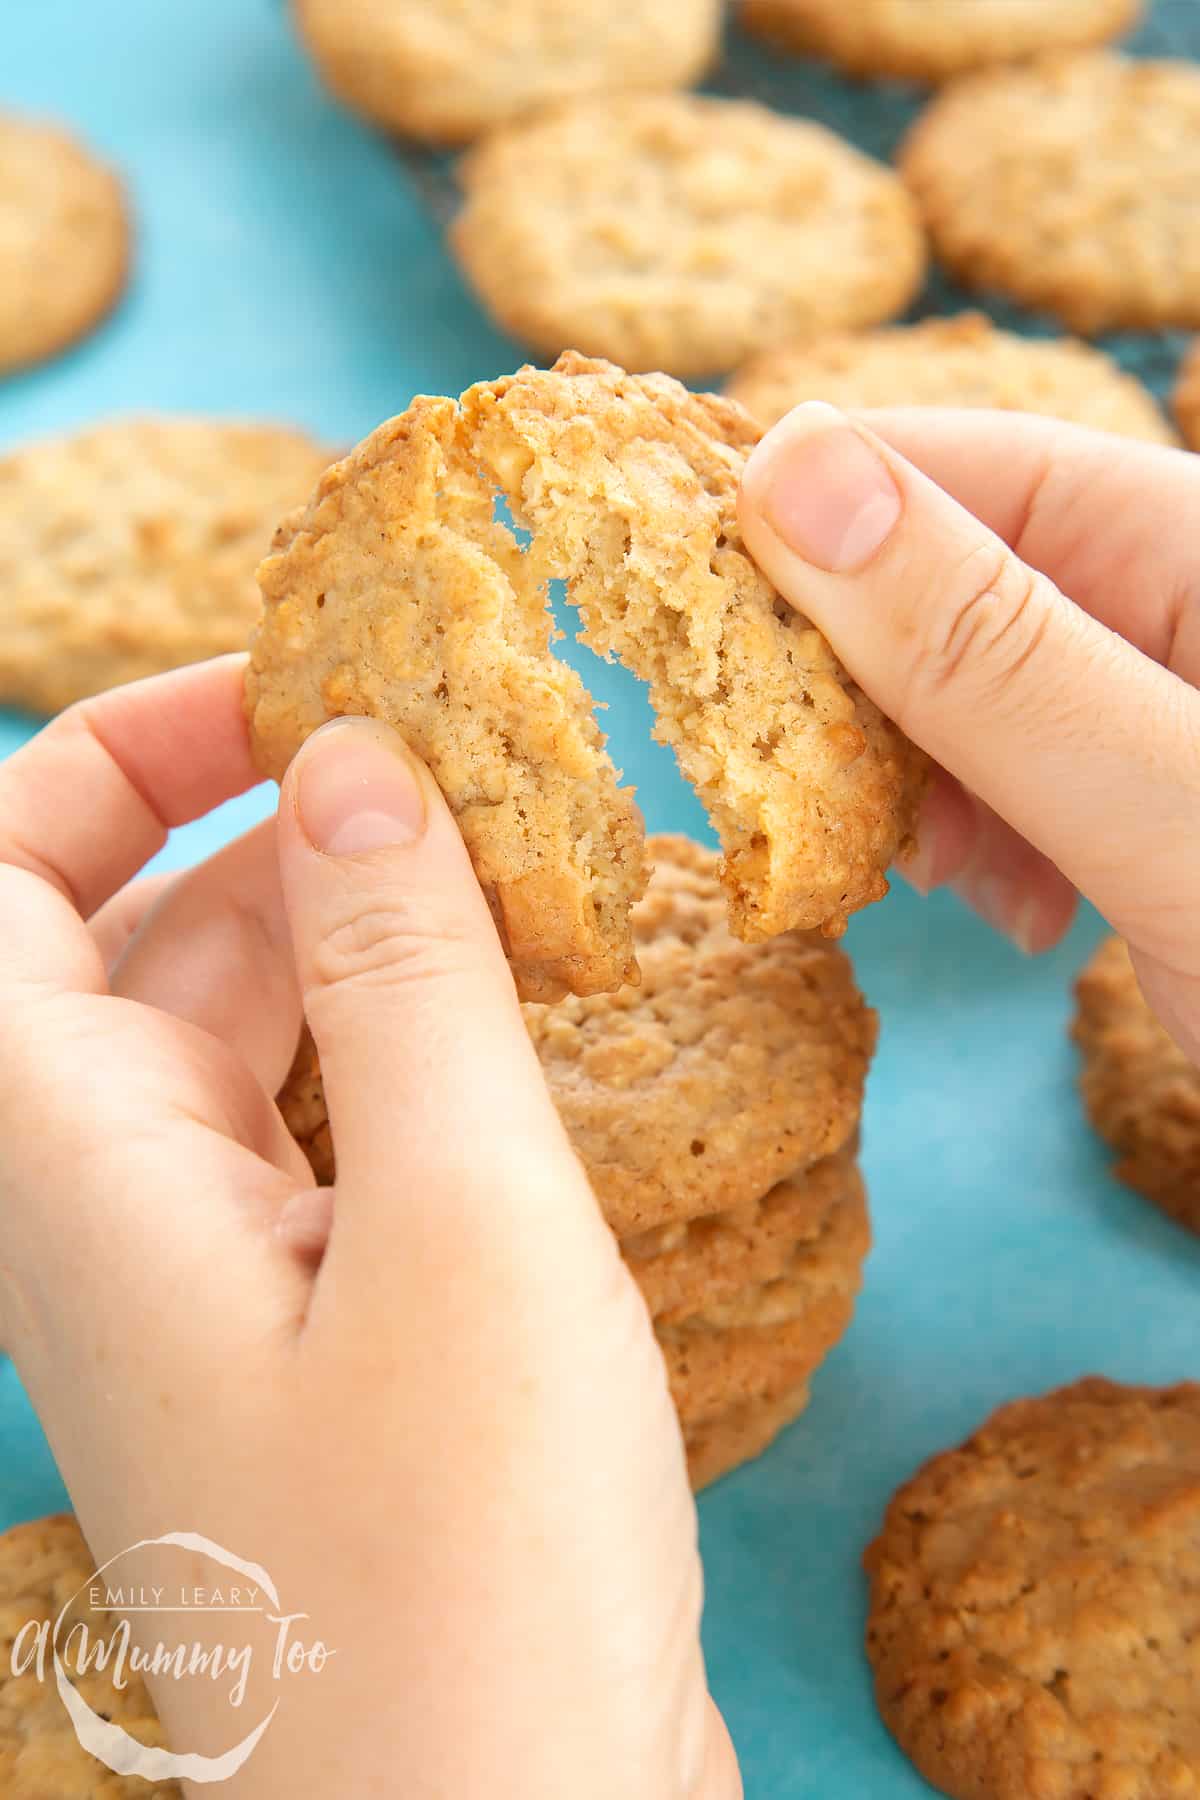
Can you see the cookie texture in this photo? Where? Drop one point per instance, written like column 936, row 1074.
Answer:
column 64, row 240
column 683, row 1268
column 732, row 1066
column 448, row 70
column 681, row 233
column 1069, row 183
column 929, row 40
column 1186, row 398
column 1141, row 1092
column 1035, row 1602
column 735, row 1437
column 42, row 1566
column 398, row 594
column 962, row 361
column 770, row 1336
column 131, row 548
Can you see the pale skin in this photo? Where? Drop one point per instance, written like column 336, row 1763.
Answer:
column 429, row 1401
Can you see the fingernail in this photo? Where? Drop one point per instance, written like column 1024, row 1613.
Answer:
column 823, row 489
column 1009, row 911
column 357, row 789
column 919, row 867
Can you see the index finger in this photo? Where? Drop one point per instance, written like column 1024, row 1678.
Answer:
column 1106, row 518
column 90, row 799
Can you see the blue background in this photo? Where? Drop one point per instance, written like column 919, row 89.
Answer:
column 289, row 265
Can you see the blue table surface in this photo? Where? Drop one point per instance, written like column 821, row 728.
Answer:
column 286, row 268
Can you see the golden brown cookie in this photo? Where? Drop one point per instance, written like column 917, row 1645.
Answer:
column 737, row 1436
column 963, row 361
column 1035, row 1602
column 64, row 241
column 1071, row 184
column 42, row 1566
column 686, row 1267
column 731, row 1066
column 1141, row 1092
column 681, row 233
column 929, row 40
column 131, row 548
column 770, row 1336
column 1186, row 398
column 398, row 594
column 448, row 70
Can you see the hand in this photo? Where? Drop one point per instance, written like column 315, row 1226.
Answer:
column 1023, row 598
column 436, row 1414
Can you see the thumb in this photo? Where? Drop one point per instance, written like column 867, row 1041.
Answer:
column 1075, row 738
column 405, row 985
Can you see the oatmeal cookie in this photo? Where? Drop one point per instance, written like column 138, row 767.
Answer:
column 64, row 241
column 448, row 70
column 930, row 40
column 681, row 233
column 1069, row 183
column 42, row 1567
column 1035, row 1601
column 397, row 593
column 131, row 548
column 963, row 361
column 1141, row 1092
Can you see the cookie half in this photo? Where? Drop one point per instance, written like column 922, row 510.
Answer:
column 448, row 70
column 1186, row 398
column 1070, row 184
column 724, row 1443
column 929, row 40
column 770, row 1336
column 681, row 233
column 66, row 241
column 1035, row 1609
column 42, row 1566
column 730, row 1068
column 1141, row 1092
column 131, row 548
column 963, row 361
column 398, row 594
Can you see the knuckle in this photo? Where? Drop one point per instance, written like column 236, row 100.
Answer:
column 386, row 946
column 993, row 621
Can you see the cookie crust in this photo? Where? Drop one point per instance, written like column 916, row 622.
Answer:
column 1070, row 184
column 131, row 548
column 1035, row 1612
column 961, row 361
column 931, row 40
column 1141, row 1092
column 729, row 1068
column 66, row 244
column 450, row 71
column 678, row 232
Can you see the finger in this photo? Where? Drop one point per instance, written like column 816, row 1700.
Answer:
column 216, row 950
column 963, row 844
column 409, row 998
column 118, row 919
column 90, row 799
column 1078, row 505
column 1078, row 741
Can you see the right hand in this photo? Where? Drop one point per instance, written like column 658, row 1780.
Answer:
column 1023, row 598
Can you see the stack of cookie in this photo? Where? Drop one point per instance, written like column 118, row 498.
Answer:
column 716, row 1109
